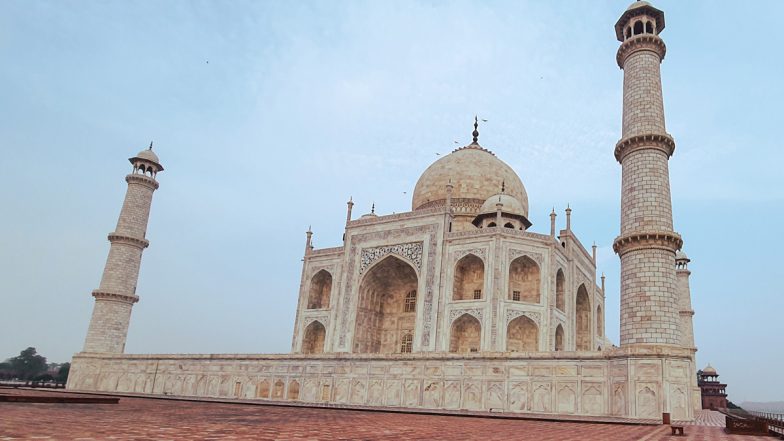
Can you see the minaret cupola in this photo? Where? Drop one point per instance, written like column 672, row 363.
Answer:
column 640, row 18
column 146, row 163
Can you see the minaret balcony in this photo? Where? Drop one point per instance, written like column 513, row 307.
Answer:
column 644, row 42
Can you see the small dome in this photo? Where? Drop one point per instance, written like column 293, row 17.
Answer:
column 510, row 205
column 709, row 370
column 369, row 215
column 149, row 155
column 638, row 4
column 475, row 174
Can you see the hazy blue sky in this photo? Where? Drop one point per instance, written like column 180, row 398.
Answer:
column 269, row 115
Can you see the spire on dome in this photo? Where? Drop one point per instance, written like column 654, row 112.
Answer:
column 150, row 148
column 476, row 130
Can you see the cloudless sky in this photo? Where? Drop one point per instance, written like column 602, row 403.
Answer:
column 268, row 115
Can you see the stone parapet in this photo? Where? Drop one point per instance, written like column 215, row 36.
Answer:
column 325, row 251
column 396, row 216
column 644, row 42
column 639, row 384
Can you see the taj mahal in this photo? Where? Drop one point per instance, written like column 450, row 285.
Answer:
column 456, row 304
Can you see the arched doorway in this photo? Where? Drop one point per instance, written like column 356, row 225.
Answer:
column 560, row 288
column 599, row 321
column 313, row 338
column 559, row 338
column 466, row 334
column 383, row 318
column 524, row 280
column 469, row 278
column 582, row 326
column 522, row 335
column 320, row 290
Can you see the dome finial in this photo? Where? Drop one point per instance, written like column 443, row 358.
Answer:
column 150, row 146
column 373, row 208
column 476, row 130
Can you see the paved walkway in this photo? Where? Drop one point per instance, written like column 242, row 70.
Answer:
column 152, row 419
column 709, row 418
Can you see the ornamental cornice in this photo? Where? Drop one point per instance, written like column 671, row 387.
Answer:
column 656, row 141
column 644, row 42
column 143, row 180
column 477, row 313
column 410, row 251
column 669, row 241
column 512, row 314
column 128, row 240
column 104, row 295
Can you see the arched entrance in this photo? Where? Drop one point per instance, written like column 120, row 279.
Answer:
column 320, row 290
column 599, row 321
column 313, row 338
column 560, row 283
column 524, row 280
column 383, row 318
column 582, row 326
column 466, row 334
column 522, row 335
column 469, row 278
column 559, row 338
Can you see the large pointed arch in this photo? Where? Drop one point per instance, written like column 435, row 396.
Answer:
column 313, row 338
column 599, row 321
column 320, row 290
column 560, row 290
column 559, row 338
column 522, row 335
column 469, row 280
column 524, row 280
column 382, row 318
column 465, row 334
column 582, row 320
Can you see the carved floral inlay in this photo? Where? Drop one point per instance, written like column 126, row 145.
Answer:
column 322, row 318
column 536, row 257
column 455, row 313
column 512, row 314
column 479, row 252
column 411, row 251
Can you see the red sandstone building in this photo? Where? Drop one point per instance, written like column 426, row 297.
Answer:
column 714, row 393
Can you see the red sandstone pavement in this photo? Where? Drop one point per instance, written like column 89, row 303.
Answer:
column 152, row 419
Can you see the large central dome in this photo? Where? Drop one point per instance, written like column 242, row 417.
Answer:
column 476, row 174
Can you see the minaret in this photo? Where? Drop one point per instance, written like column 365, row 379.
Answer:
column 116, row 295
column 647, row 243
column 684, row 300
